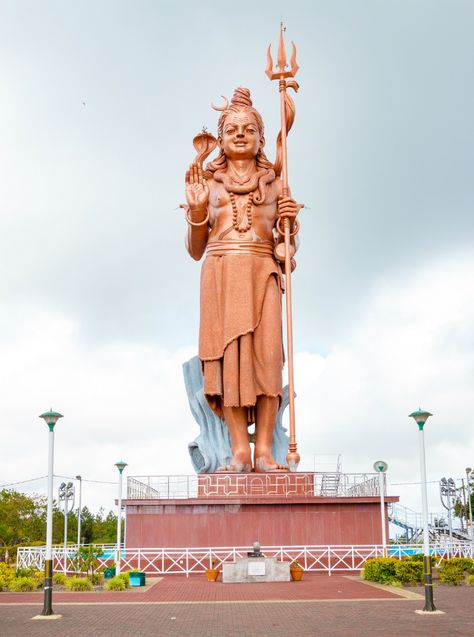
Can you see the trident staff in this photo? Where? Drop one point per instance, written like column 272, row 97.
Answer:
column 287, row 114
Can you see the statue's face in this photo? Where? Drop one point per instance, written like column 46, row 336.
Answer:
column 240, row 136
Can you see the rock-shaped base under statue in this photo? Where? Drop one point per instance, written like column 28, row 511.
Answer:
column 211, row 449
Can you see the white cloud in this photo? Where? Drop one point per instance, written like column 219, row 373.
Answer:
column 119, row 402
column 413, row 347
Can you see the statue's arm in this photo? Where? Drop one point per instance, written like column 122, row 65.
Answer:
column 289, row 208
column 197, row 213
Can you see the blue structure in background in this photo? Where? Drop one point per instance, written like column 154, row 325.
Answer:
column 211, row 449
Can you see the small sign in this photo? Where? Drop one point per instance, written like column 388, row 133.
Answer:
column 256, row 568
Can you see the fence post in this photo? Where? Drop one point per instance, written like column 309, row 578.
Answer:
column 329, row 560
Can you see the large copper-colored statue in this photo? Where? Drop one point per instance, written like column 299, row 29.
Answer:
column 234, row 205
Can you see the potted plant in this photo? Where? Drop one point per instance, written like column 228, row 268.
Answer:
column 296, row 571
column 212, row 573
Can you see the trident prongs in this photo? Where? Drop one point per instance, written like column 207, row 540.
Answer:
column 281, row 62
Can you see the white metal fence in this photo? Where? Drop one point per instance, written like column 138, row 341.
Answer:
column 331, row 484
column 186, row 561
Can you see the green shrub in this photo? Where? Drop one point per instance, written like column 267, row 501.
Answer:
column 450, row 573
column 4, row 583
column 78, row 584
column 25, row 572
column 409, row 571
column 95, row 578
column 418, row 557
column 470, row 580
column 39, row 577
column 22, row 584
column 59, row 578
column 117, row 583
column 380, row 569
column 6, row 574
column 125, row 577
column 87, row 558
column 464, row 563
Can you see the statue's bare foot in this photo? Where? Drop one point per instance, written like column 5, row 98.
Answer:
column 265, row 462
column 240, row 463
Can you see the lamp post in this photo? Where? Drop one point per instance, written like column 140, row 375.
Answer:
column 447, row 492
column 66, row 493
column 420, row 418
column 79, row 511
column 470, row 476
column 381, row 467
column 50, row 417
column 120, row 466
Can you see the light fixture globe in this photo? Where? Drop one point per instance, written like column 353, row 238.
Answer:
column 420, row 417
column 380, row 466
column 51, row 417
column 121, row 465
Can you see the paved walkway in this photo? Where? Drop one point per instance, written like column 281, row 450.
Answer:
column 319, row 606
column 177, row 588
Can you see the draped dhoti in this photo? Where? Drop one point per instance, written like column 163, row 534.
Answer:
column 240, row 339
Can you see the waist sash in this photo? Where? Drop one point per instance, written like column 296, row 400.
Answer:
column 256, row 248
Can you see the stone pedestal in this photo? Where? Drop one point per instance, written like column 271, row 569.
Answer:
column 256, row 569
column 275, row 521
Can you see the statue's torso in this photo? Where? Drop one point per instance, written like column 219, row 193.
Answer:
column 221, row 214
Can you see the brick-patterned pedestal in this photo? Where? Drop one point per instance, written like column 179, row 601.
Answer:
column 230, row 485
column 278, row 509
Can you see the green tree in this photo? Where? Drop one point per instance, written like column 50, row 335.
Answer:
column 23, row 521
column 22, row 517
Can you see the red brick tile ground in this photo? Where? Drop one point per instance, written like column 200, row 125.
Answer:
column 177, row 588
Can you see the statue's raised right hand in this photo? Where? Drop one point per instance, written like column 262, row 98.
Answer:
column 197, row 190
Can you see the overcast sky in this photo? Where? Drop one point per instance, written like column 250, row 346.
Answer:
column 99, row 102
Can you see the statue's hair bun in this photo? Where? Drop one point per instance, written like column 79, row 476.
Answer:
column 241, row 97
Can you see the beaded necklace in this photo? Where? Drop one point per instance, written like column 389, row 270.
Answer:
column 237, row 222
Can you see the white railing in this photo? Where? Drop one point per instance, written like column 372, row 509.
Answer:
column 330, row 484
column 410, row 518
column 168, row 561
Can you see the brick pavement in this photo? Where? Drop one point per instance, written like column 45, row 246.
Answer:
column 385, row 616
column 177, row 588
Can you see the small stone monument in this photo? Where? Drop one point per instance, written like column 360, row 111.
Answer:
column 256, row 568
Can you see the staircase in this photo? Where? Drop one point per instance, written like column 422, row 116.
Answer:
column 330, row 481
column 411, row 522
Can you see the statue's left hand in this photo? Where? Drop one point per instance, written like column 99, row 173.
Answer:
column 288, row 208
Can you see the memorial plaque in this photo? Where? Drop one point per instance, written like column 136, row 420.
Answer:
column 256, row 568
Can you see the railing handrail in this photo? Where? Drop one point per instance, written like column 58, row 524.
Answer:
column 301, row 484
column 164, row 561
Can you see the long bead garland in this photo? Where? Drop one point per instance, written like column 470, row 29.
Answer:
column 248, row 213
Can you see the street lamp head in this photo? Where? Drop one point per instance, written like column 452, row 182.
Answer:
column 420, row 417
column 120, row 465
column 78, row 477
column 51, row 418
column 380, row 466
column 468, row 470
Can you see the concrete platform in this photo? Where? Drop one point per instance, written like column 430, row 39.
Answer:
column 255, row 569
